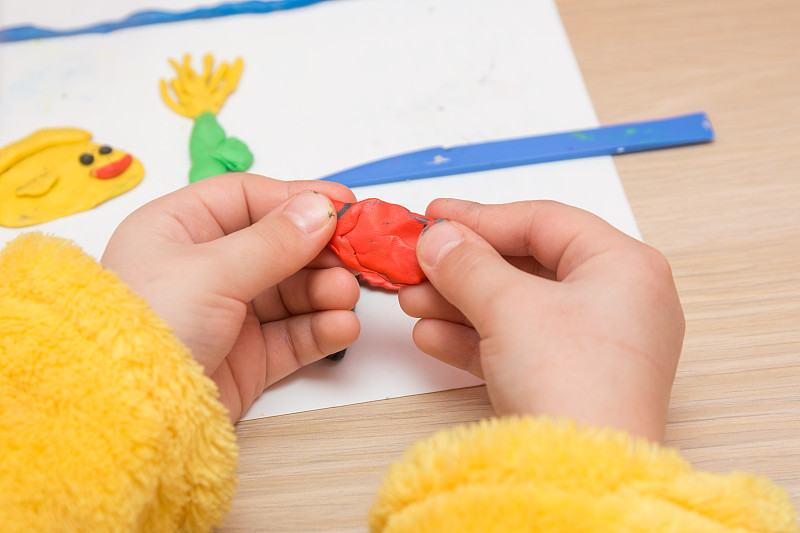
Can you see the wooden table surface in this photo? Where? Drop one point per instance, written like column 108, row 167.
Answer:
column 726, row 215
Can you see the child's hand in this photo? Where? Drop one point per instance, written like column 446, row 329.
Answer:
column 586, row 323
column 224, row 263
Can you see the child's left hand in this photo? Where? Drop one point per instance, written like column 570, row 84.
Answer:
column 234, row 265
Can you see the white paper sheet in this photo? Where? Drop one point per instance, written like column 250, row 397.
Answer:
column 324, row 88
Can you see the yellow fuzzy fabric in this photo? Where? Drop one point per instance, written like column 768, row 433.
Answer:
column 525, row 474
column 106, row 422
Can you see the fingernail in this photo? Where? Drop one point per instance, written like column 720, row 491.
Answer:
column 437, row 240
column 309, row 211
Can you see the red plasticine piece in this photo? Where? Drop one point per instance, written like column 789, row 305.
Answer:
column 112, row 170
column 379, row 240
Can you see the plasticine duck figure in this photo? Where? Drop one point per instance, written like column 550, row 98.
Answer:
column 58, row 172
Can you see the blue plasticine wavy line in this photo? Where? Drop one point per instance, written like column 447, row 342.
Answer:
column 145, row 18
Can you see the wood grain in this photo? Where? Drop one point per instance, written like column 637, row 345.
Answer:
column 726, row 215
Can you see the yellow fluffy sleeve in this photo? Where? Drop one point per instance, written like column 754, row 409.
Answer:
column 106, row 422
column 540, row 475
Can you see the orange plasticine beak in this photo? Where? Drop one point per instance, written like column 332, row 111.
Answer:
column 114, row 169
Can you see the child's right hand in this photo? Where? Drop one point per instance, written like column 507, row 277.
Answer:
column 558, row 311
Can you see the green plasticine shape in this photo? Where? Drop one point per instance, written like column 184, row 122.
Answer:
column 234, row 154
column 212, row 153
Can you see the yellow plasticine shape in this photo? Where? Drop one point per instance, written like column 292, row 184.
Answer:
column 38, row 186
column 11, row 154
column 199, row 93
column 58, row 172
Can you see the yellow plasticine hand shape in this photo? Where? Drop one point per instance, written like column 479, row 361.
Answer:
column 197, row 93
column 58, row 172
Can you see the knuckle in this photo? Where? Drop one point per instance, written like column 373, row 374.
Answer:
column 651, row 271
column 645, row 261
column 656, row 263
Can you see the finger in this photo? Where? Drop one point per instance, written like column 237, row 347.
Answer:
column 240, row 376
column 559, row 236
column 229, row 394
column 531, row 266
column 300, row 340
column 424, row 301
column 220, row 205
column 247, row 262
column 307, row 291
column 468, row 272
column 333, row 288
column 455, row 344
column 326, row 259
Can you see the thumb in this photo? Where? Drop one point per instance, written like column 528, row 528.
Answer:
column 250, row 260
column 466, row 270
